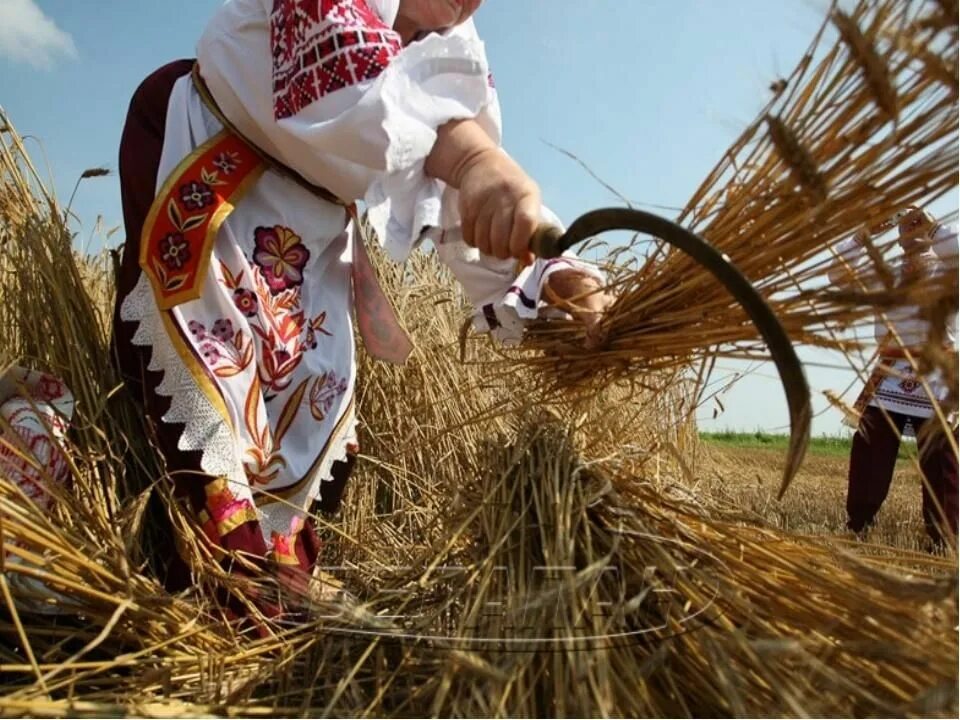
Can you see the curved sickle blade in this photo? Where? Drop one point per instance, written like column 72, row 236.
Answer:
column 549, row 243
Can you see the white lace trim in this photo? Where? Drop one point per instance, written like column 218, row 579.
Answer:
column 204, row 429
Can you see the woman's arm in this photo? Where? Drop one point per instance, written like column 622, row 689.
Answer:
column 499, row 203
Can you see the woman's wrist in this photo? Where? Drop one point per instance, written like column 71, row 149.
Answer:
column 460, row 144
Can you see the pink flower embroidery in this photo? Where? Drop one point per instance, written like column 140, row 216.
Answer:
column 211, row 353
column 281, row 256
column 226, row 162
column 326, row 388
column 174, row 251
column 222, row 330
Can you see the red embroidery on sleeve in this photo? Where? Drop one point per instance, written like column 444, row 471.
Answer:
column 320, row 46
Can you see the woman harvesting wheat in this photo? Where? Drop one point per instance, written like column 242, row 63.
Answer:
column 242, row 264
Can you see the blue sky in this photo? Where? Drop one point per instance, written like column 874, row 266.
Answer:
column 648, row 93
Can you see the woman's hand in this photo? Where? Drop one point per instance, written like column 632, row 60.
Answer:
column 499, row 203
column 916, row 229
column 584, row 297
column 500, row 211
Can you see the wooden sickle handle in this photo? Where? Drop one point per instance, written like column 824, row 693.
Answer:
column 547, row 242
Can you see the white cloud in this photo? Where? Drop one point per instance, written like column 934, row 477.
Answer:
column 27, row 35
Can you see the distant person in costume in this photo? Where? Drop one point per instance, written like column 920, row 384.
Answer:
column 895, row 400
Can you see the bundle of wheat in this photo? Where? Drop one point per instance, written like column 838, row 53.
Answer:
column 864, row 126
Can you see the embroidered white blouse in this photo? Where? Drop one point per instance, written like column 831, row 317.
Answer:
column 853, row 262
column 900, row 390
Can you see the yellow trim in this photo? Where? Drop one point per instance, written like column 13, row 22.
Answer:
column 236, row 520
column 232, row 523
column 172, row 179
column 197, row 369
column 284, row 493
column 166, row 302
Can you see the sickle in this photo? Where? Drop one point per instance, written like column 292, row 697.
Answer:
column 550, row 242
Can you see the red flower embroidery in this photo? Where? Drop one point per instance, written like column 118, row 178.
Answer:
column 174, row 251
column 276, row 369
column 281, row 257
column 909, row 385
column 50, row 388
column 195, row 195
column 245, row 301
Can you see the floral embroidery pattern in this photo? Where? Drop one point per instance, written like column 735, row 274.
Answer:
column 281, row 256
column 226, row 162
column 282, row 334
column 226, row 351
column 195, row 195
column 175, row 251
column 263, row 460
column 182, row 223
column 909, row 385
column 49, row 388
column 326, row 388
column 278, row 322
column 30, row 459
column 245, row 301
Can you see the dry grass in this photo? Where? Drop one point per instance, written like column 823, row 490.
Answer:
column 746, row 479
column 505, row 557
